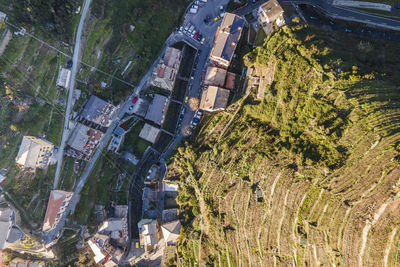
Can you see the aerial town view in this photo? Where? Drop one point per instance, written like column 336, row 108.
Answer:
column 200, row 133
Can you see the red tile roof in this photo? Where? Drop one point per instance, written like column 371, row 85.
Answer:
column 56, row 200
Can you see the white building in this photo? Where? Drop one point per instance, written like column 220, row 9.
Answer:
column 64, row 78
column 34, row 153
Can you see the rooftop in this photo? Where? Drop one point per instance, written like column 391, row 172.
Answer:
column 97, row 111
column 158, row 109
column 230, row 81
column 6, row 223
column 272, row 9
column 215, row 76
column 55, row 208
column 171, row 231
column 214, row 99
column 84, row 140
column 148, row 232
column 140, row 107
column 30, row 151
column 165, row 72
column 64, row 76
column 169, row 215
column 79, row 137
column 150, row 133
column 98, row 255
column 227, row 37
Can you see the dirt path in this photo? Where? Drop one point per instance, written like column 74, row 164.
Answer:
column 387, row 250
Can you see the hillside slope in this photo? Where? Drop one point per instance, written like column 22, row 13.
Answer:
column 307, row 175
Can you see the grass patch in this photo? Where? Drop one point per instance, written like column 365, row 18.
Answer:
column 179, row 90
column 171, row 119
column 133, row 143
column 185, row 69
column 163, row 142
column 261, row 36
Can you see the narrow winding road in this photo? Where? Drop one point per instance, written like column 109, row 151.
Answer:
column 75, row 60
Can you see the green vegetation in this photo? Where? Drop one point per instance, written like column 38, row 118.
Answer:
column 65, row 249
column 179, row 90
column 133, row 143
column 47, row 15
column 30, row 105
column 171, row 119
column 123, row 32
column 292, row 177
column 99, row 187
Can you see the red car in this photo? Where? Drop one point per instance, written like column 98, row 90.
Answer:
column 135, row 99
column 196, row 35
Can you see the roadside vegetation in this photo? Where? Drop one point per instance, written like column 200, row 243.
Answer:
column 120, row 32
column 30, row 104
column 303, row 173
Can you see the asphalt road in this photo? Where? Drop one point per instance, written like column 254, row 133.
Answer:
column 348, row 14
column 74, row 69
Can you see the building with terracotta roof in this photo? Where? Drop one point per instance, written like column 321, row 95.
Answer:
column 270, row 16
column 56, row 206
column 226, row 39
column 34, row 153
column 214, row 99
column 230, row 81
column 215, row 76
column 164, row 74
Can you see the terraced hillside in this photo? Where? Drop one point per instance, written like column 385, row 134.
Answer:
column 308, row 175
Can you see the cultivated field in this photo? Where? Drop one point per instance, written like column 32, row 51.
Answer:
column 309, row 174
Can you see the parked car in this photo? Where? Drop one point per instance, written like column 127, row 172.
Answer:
column 135, row 99
column 191, row 29
column 69, row 64
column 196, row 35
column 217, row 18
column 203, row 40
column 196, row 120
column 130, row 108
column 197, row 115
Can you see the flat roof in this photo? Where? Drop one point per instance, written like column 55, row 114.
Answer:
column 79, row 137
column 157, row 109
column 227, row 37
column 215, row 76
column 150, row 133
column 214, row 98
